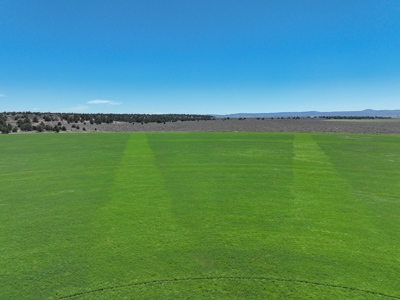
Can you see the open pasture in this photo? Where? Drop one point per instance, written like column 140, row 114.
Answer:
column 199, row 215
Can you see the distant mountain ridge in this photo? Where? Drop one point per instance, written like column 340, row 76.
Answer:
column 360, row 113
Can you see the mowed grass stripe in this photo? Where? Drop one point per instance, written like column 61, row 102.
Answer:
column 323, row 203
column 370, row 165
column 137, row 233
column 230, row 199
column 333, row 230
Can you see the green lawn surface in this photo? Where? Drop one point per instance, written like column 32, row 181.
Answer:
column 199, row 216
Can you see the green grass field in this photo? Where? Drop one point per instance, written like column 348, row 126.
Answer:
column 199, row 215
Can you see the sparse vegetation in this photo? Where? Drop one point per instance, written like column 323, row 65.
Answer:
column 24, row 120
column 354, row 118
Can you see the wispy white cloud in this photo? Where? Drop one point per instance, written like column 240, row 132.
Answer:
column 104, row 102
column 2, row 95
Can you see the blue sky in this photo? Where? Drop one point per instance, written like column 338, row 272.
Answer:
column 199, row 56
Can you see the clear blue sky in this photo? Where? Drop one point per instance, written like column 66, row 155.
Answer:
column 199, row 56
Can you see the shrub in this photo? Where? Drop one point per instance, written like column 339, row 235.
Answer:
column 26, row 127
column 4, row 130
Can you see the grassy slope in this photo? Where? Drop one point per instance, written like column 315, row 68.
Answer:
column 91, row 211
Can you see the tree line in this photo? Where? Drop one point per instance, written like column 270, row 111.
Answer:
column 353, row 117
column 34, row 121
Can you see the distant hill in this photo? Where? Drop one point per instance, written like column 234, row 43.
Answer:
column 361, row 113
